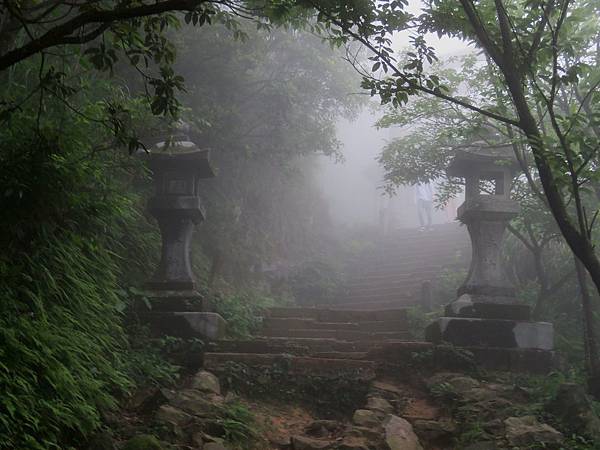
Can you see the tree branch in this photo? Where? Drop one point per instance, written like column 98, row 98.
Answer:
column 63, row 34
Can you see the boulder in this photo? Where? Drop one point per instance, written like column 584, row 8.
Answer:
column 573, row 407
column 487, row 410
column 195, row 402
column 305, row 443
column 206, row 382
column 434, row 430
column 399, row 434
column 172, row 415
column 525, row 431
column 365, row 418
column 459, row 383
column 380, row 405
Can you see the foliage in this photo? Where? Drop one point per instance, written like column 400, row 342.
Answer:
column 316, row 282
column 542, row 85
column 239, row 425
column 242, row 310
column 265, row 107
column 62, row 344
column 331, row 396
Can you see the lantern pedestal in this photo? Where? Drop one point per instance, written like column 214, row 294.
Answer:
column 172, row 306
column 486, row 312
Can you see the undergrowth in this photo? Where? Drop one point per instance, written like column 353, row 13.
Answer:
column 65, row 225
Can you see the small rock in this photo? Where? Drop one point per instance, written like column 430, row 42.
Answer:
column 433, row 430
column 487, row 409
column 478, row 394
column 206, row 382
column 322, row 428
column 399, row 435
column 368, row 433
column 379, row 404
column 281, row 442
column 458, row 383
column 305, row 443
column 143, row 442
column 365, row 418
column 494, row 426
column 386, row 387
column 197, row 440
column 352, row 444
column 526, row 430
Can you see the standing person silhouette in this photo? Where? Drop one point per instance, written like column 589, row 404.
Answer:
column 424, row 197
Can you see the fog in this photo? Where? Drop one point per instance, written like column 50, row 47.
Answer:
column 353, row 187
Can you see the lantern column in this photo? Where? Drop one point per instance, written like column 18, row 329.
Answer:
column 174, row 307
column 486, row 312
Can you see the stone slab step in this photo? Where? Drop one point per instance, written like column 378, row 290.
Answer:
column 398, row 297
column 369, row 305
column 342, row 335
column 294, row 346
column 341, row 355
column 338, row 315
column 299, row 365
column 286, row 323
column 439, row 262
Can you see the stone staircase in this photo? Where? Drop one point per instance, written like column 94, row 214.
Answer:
column 369, row 329
column 320, row 341
column 404, row 262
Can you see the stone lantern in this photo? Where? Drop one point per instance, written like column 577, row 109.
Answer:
column 486, row 312
column 175, row 307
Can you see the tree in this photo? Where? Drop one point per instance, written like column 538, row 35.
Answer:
column 543, row 51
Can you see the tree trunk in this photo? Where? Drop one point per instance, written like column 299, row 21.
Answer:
column 589, row 336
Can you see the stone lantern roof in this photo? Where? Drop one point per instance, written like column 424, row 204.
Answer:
column 481, row 156
column 181, row 155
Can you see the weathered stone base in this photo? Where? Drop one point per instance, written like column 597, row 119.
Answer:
column 205, row 325
column 476, row 332
column 445, row 357
column 468, row 305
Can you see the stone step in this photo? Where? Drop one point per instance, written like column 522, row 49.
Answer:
column 425, row 250
column 433, row 236
column 386, row 279
column 286, row 323
column 342, row 335
column 396, row 353
column 398, row 292
column 338, row 315
column 298, row 365
column 367, row 305
column 341, row 355
column 293, row 346
column 416, row 262
column 413, row 266
column 392, row 297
